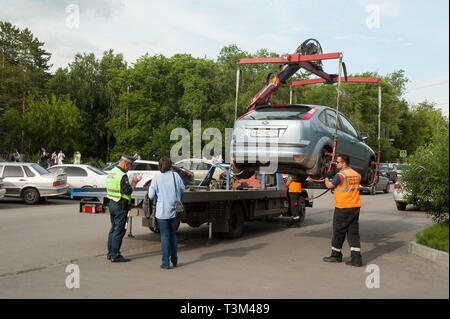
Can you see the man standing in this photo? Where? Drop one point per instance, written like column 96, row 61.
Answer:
column 119, row 190
column 61, row 157
column 346, row 213
column 296, row 203
column 44, row 158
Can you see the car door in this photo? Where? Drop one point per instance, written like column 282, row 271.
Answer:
column 13, row 179
column 76, row 177
column 331, row 123
column 355, row 148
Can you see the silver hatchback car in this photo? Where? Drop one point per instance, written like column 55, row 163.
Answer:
column 299, row 138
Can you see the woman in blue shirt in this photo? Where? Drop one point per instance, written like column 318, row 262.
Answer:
column 163, row 186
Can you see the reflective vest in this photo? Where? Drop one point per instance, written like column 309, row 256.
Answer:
column 346, row 195
column 295, row 187
column 113, row 190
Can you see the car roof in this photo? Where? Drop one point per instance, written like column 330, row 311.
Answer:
column 17, row 164
column 146, row 162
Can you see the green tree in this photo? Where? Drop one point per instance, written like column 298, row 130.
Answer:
column 426, row 177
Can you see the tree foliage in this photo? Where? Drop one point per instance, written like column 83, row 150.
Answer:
column 426, row 177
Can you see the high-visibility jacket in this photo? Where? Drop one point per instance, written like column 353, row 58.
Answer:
column 113, row 189
column 295, row 187
column 346, row 195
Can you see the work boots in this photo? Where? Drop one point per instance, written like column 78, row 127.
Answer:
column 356, row 259
column 336, row 257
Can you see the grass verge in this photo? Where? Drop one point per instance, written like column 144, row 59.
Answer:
column 435, row 236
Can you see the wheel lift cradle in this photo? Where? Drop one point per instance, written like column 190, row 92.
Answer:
column 225, row 210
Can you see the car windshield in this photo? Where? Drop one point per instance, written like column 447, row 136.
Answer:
column 40, row 169
column 278, row 113
column 96, row 170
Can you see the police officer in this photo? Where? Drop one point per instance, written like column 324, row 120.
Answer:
column 296, row 204
column 119, row 191
column 346, row 213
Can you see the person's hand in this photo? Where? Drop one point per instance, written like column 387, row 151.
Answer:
column 136, row 179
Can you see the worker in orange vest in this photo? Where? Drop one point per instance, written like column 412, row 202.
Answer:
column 346, row 213
column 296, row 203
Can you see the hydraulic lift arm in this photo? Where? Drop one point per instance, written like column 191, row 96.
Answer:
column 291, row 63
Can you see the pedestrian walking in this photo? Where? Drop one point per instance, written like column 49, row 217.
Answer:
column 61, row 157
column 118, row 190
column 168, row 187
column 45, row 156
column 346, row 213
column 54, row 158
column 15, row 156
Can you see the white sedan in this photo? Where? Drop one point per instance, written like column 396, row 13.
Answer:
column 2, row 189
column 81, row 176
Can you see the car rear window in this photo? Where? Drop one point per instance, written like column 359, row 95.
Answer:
column 278, row 113
column 39, row 169
column 96, row 170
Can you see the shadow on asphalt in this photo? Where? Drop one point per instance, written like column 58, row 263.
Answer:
column 13, row 203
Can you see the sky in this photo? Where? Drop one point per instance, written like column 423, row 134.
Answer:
column 374, row 36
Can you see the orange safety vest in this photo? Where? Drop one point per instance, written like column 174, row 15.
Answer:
column 295, row 187
column 346, row 195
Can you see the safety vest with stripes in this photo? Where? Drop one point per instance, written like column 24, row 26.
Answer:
column 346, row 195
column 113, row 190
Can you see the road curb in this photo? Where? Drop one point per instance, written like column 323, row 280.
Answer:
column 438, row 256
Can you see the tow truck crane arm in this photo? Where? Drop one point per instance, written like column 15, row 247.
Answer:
column 291, row 64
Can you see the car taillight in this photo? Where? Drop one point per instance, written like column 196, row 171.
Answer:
column 56, row 183
column 1, row 185
column 309, row 114
column 397, row 186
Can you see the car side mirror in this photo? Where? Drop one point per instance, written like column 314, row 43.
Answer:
column 364, row 136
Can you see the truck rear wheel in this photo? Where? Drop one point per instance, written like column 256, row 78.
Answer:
column 236, row 221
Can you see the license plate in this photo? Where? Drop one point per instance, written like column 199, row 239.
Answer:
column 264, row 133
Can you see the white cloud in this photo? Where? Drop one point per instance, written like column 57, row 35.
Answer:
column 435, row 90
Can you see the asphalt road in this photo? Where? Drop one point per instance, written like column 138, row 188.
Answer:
column 37, row 243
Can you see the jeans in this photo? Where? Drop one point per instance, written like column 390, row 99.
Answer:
column 346, row 222
column 118, row 220
column 168, row 229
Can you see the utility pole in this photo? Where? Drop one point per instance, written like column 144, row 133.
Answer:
column 128, row 93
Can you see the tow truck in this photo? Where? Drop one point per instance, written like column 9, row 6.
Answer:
column 225, row 210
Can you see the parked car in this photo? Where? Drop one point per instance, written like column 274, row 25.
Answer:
column 381, row 185
column 110, row 166
column 149, row 169
column 387, row 170
column 2, row 189
column 31, row 182
column 303, row 135
column 400, row 196
column 81, row 175
column 200, row 168
column 399, row 169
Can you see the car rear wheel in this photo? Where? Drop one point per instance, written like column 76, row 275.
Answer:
column 370, row 174
column 30, row 196
column 400, row 205
column 323, row 164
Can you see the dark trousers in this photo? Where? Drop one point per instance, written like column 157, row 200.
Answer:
column 297, row 206
column 346, row 223
column 118, row 218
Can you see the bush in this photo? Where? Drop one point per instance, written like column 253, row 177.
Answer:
column 435, row 236
column 426, row 178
